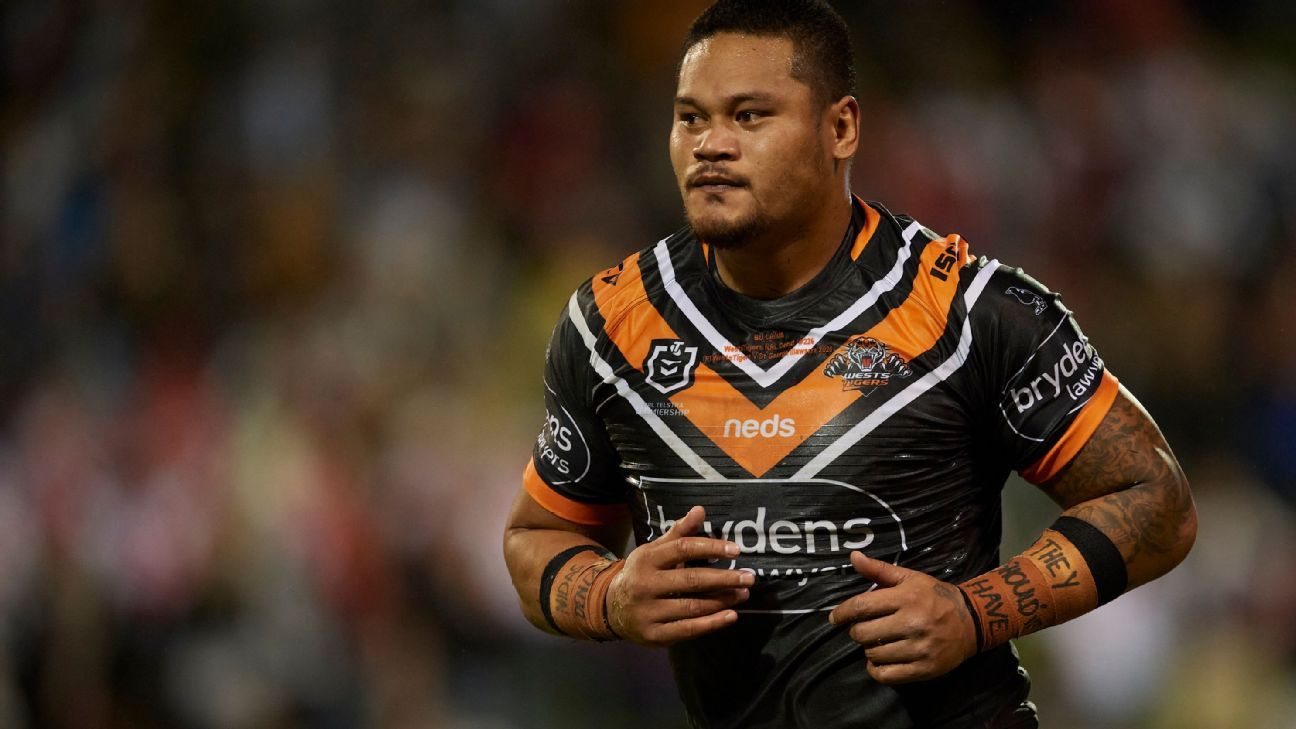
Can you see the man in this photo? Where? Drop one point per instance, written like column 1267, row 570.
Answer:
column 806, row 406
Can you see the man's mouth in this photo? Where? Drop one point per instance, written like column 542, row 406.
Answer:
column 713, row 183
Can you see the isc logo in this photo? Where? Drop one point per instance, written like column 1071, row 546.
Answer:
column 752, row 428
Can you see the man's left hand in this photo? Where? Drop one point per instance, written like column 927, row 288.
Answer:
column 912, row 626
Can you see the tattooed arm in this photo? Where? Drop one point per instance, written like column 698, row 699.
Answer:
column 1127, row 483
column 1128, row 518
column 569, row 582
column 533, row 536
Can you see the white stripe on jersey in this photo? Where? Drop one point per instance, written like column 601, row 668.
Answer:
column 910, row 393
column 604, row 370
column 763, row 377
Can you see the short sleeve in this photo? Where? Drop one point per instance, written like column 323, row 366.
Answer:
column 1049, row 388
column 574, row 470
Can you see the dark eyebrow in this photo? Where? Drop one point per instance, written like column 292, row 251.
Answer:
column 731, row 101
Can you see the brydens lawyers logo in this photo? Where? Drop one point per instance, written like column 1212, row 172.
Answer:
column 795, row 536
column 670, row 365
column 866, row 364
column 561, row 445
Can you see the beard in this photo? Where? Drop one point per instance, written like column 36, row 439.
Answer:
column 729, row 234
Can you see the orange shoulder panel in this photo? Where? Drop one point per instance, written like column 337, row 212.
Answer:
column 565, row 508
column 1081, row 429
column 618, row 288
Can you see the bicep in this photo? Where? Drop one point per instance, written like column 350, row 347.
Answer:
column 1126, row 449
column 1126, row 482
column 527, row 514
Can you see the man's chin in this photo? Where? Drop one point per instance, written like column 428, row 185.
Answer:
column 726, row 231
column 727, row 235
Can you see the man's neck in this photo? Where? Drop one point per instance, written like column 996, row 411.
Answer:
column 779, row 264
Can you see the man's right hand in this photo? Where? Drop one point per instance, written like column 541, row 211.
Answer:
column 657, row 600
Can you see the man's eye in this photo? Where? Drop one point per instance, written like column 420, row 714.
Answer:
column 747, row 116
column 690, row 119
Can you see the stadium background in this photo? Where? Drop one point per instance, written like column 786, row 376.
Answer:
column 277, row 279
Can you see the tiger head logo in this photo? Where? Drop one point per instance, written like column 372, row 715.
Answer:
column 866, row 364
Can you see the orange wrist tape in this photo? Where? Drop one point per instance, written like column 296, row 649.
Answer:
column 1048, row 584
column 578, row 596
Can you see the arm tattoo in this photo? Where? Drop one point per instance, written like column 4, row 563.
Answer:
column 1127, row 483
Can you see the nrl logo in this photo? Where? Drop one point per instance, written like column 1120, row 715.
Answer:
column 866, row 364
column 670, row 365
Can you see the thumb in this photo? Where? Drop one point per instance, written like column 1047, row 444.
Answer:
column 884, row 574
column 686, row 525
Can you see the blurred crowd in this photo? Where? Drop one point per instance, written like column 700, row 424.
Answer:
column 276, row 281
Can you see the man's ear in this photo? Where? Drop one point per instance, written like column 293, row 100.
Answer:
column 845, row 117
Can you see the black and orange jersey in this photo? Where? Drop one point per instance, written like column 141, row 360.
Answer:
column 878, row 408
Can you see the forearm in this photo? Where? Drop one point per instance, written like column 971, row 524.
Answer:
column 1153, row 523
column 527, row 551
column 570, row 583
column 1131, row 520
column 534, row 537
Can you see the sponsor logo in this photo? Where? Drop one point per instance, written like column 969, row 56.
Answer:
column 670, row 365
column 753, row 428
column 795, row 536
column 866, row 364
column 561, row 445
column 762, row 535
column 945, row 263
column 1074, row 373
column 1029, row 298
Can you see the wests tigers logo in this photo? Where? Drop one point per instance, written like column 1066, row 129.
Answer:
column 866, row 364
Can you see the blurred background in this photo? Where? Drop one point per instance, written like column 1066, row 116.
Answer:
column 276, row 281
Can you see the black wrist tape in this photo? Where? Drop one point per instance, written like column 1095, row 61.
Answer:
column 1103, row 557
column 976, row 619
column 551, row 571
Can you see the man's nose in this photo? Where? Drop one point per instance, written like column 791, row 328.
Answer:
column 716, row 144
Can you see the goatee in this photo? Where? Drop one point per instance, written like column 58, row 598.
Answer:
column 729, row 234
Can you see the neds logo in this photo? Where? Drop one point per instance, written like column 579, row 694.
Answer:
column 752, row 428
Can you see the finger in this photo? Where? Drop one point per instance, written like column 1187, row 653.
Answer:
column 742, row 592
column 901, row 651
column 884, row 574
column 670, row 610
column 685, row 525
column 692, row 580
column 894, row 673
column 866, row 606
column 675, row 631
column 873, row 633
column 667, row 554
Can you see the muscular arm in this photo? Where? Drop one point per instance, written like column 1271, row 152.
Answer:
column 653, row 597
column 1126, row 482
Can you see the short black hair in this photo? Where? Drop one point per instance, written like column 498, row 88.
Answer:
column 820, row 38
